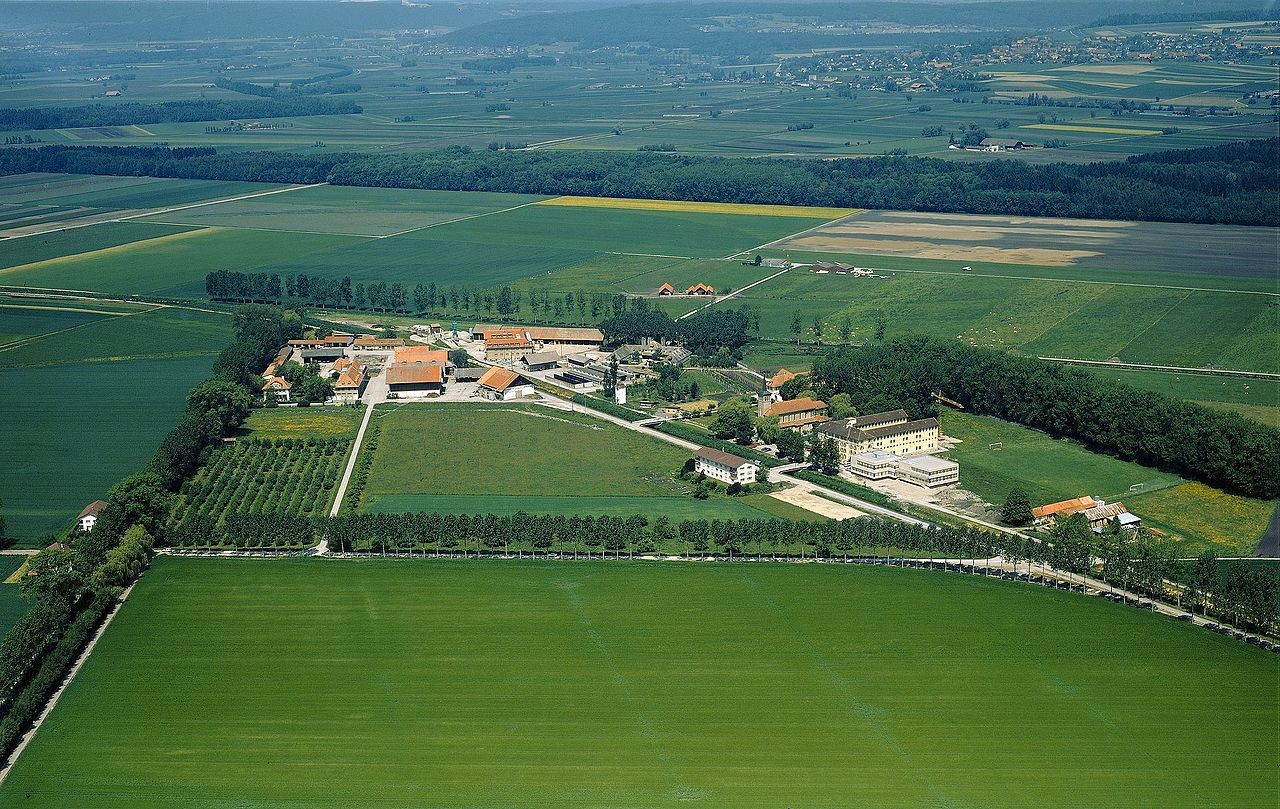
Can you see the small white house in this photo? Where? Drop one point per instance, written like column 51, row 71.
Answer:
column 89, row 517
column 725, row 467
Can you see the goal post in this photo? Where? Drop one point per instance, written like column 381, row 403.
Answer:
column 996, row 445
column 1137, row 487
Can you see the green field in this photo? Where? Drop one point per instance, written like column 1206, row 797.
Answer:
column 12, row 605
column 1194, row 516
column 1257, row 399
column 89, row 399
column 303, row 422
column 482, row 684
column 502, row 458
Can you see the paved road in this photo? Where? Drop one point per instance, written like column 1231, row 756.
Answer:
column 374, row 393
column 733, row 294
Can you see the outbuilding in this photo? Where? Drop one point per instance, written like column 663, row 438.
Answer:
column 502, row 384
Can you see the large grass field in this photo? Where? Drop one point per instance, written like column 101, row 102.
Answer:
column 504, row 458
column 1195, row 517
column 12, row 605
column 91, row 388
column 233, row 683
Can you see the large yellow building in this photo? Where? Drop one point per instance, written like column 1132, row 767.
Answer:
column 889, row 432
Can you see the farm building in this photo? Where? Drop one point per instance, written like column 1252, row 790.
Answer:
column 725, row 467
column 562, row 339
column 541, row 360
column 367, row 344
column 507, row 346
column 666, row 289
column 700, row 289
column 468, row 374
column 825, row 267
column 323, row 354
column 350, row 381
column 405, row 354
column 798, row 414
column 651, row 353
column 89, row 516
column 1001, row 144
column 411, row 379
column 276, row 386
column 889, row 432
column 1101, row 516
column 1046, row 516
column 501, row 384
column 336, row 340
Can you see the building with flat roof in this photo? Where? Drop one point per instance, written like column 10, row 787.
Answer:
column 725, row 467
column 928, row 471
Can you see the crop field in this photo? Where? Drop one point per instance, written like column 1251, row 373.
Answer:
column 1151, row 247
column 1152, row 324
column 91, row 399
column 302, row 422
column 1193, row 516
column 1258, row 399
column 632, row 684
column 498, row 458
column 294, row 476
column 41, row 203
column 12, row 605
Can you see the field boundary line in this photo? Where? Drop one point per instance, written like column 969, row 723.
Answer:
column 323, row 547
column 733, row 294
column 266, row 230
column 1077, row 281
column 1154, row 323
column 66, row 682
column 1138, row 366
column 171, row 209
column 797, row 234
column 460, row 219
column 19, row 343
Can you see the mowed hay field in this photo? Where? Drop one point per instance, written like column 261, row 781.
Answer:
column 228, row 683
column 91, row 388
column 505, row 458
column 1194, row 516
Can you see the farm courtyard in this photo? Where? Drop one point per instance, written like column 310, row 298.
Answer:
column 480, row 684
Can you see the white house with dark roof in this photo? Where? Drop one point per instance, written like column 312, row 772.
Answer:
column 88, row 518
column 725, row 467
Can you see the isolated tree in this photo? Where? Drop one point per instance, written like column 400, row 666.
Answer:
column 228, row 402
column 846, row 329
column 797, row 325
column 841, row 406
column 881, row 327
column 1017, row 508
column 817, row 330
column 824, row 455
column 733, row 420
column 758, row 260
column 791, row 445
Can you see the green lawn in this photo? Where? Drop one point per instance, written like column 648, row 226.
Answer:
column 503, row 458
column 1193, row 515
column 12, row 605
column 1256, row 398
column 234, row 683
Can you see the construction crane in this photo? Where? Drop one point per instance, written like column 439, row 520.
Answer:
column 946, row 400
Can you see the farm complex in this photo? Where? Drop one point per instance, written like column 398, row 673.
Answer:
column 625, row 405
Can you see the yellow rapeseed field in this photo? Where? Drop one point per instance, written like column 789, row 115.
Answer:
column 678, row 206
column 1106, row 130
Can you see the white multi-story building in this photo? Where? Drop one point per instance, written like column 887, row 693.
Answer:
column 725, row 467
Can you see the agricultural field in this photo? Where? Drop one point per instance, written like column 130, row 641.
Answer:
column 95, row 386
column 288, row 476
column 631, row 102
column 302, row 422
column 637, row 684
column 1193, row 516
column 12, row 605
column 504, row 458
column 1258, row 399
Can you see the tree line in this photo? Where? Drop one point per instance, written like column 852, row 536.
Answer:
column 165, row 112
column 1240, row 592
column 1233, row 184
column 1216, row 447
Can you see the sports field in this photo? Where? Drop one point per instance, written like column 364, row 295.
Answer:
column 504, row 458
column 229, row 683
column 1194, row 516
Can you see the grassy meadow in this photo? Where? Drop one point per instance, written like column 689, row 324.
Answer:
column 505, row 458
column 1193, row 516
column 481, row 684
column 12, row 605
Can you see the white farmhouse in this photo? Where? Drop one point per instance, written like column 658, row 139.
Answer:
column 724, row 467
column 89, row 517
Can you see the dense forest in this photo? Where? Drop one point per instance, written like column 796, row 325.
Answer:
column 166, row 112
column 1216, row 447
column 1236, row 183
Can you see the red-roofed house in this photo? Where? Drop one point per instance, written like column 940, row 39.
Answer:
column 799, row 414
column 89, row 517
column 503, row 385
